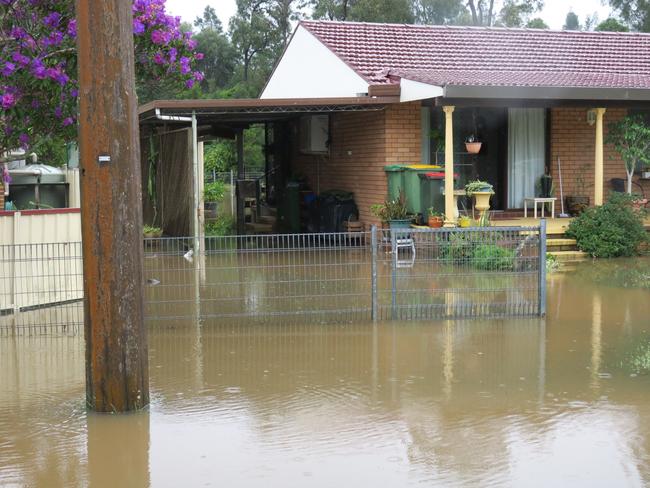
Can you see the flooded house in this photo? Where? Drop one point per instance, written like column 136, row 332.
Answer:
column 363, row 109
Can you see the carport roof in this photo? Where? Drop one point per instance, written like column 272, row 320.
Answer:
column 254, row 110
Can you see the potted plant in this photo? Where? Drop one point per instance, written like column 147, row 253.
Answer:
column 150, row 231
column 482, row 191
column 464, row 221
column 576, row 204
column 436, row 219
column 393, row 212
column 472, row 145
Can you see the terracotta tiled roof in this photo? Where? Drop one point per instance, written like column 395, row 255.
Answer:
column 444, row 55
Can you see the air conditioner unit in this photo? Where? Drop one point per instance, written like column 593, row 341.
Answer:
column 314, row 134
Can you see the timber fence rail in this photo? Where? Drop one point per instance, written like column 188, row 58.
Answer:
column 295, row 278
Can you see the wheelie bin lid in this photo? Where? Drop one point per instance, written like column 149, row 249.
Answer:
column 435, row 175
column 393, row 168
column 430, row 167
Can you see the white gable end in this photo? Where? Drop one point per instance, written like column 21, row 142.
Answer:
column 308, row 69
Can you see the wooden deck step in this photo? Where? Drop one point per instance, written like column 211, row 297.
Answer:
column 259, row 228
column 561, row 244
column 569, row 256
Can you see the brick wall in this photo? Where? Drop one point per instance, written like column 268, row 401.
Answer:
column 573, row 140
column 362, row 143
column 2, row 197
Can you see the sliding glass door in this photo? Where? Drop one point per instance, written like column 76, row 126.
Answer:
column 526, row 153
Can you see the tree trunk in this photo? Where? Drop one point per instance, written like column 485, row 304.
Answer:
column 629, row 181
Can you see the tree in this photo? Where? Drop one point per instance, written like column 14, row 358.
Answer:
column 209, row 20
column 392, row 11
column 219, row 57
column 537, row 23
column 516, row 13
column 636, row 13
column 612, row 25
column 631, row 138
column 250, row 33
column 438, row 12
column 511, row 13
column 38, row 64
column 331, row 9
column 571, row 22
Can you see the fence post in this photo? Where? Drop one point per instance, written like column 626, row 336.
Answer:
column 232, row 193
column 373, row 243
column 393, row 276
column 542, row 268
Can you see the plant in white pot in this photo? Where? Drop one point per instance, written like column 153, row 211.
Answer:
column 482, row 191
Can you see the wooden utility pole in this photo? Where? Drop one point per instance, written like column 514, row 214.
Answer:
column 117, row 376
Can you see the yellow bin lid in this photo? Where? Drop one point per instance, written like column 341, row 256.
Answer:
column 424, row 166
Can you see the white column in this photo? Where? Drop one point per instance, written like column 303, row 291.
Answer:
column 598, row 176
column 450, row 212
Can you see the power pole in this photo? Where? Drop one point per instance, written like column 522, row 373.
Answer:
column 117, row 375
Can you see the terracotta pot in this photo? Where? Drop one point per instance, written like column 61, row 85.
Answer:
column 639, row 204
column 436, row 222
column 473, row 147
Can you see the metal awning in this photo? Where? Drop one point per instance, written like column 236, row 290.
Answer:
column 254, row 110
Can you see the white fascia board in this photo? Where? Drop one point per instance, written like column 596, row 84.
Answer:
column 308, row 69
column 416, row 90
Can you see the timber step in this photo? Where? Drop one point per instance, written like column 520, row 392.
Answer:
column 561, row 244
column 569, row 256
column 266, row 219
column 259, row 228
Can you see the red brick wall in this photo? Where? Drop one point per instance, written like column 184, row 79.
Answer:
column 362, row 143
column 573, row 140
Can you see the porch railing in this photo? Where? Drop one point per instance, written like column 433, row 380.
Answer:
column 407, row 274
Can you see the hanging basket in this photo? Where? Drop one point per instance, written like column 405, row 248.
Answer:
column 473, row 147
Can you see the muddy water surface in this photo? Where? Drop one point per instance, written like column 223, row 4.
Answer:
column 563, row 401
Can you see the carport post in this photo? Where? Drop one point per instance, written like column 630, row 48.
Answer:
column 241, row 226
column 197, row 181
column 117, row 375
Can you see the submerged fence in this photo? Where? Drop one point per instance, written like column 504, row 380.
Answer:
column 340, row 277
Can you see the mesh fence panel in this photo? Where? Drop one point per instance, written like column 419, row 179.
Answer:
column 407, row 274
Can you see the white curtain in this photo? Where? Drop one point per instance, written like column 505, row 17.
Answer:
column 526, row 153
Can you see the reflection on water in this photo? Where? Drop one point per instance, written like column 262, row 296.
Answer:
column 477, row 403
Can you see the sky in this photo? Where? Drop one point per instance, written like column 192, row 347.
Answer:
column 553, row 14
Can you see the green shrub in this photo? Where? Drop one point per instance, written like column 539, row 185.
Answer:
column 214, row 192
column 493, row 258
column 611, row 230
column 223, row 226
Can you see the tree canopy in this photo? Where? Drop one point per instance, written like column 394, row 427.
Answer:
column 636, row 13
column 38, row 64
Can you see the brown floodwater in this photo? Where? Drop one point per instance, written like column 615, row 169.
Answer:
column 560, row 401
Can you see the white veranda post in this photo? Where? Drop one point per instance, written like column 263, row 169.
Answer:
column 598, row 175
column 450, row 211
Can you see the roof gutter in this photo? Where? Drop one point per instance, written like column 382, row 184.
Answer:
column 546, row 93
column 172, row 118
